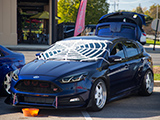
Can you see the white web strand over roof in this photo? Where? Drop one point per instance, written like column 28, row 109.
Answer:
column 75, row 49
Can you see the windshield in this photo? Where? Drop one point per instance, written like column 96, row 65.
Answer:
column 75, row 50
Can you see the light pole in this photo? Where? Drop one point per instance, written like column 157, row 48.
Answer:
column 115, row 4
column 157, row 11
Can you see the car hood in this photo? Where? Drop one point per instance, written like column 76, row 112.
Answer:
column 56, row 68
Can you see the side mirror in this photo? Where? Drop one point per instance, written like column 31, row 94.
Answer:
column 114, row 58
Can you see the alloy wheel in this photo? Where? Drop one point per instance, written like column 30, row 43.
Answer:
column 7, row 82
column 100, row 95
column 149, row 82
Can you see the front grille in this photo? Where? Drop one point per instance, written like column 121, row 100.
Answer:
column 39, row 100
column 37, row 86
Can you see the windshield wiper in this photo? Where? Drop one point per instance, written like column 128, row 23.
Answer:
column 63, row 59
column 73, row 59
column 55, row 59
column 95, row 59
column 89, row 60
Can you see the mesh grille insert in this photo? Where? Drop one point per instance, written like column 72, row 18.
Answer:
column 37, row 86
column 39, row 100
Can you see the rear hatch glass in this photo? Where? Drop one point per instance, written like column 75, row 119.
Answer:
column 127, row 31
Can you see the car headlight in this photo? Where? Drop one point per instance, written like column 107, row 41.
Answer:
column 15, row 74
column 73, row 78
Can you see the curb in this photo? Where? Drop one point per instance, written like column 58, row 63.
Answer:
column 149, row 48
column 151, row 51
column 157, row 83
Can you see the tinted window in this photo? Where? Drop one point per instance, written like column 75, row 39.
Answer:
column 128, row 31
column 127, row 27
column 104, row 30
column 117, row 29
column 141, row 49
column 1, row 54
column 118, row 50
column 131, row 49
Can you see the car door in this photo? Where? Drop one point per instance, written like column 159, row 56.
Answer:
column 119, row 72
column 133, row 60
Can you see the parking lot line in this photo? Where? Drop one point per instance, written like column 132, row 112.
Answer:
column 86, row 115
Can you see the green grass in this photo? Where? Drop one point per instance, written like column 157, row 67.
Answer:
column 156, row 76
column 150, row 41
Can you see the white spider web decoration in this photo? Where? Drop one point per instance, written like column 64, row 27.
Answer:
column 75, row 49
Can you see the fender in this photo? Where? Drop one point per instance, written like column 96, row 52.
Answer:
column 106, row 80
column 144, row 70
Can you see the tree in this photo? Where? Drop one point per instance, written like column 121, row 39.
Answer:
column 95, row 9
column 68, row 9
column 147, row 17
column 139, row 9
column 153, row 11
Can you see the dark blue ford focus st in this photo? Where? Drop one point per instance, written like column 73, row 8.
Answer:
column 83, row 72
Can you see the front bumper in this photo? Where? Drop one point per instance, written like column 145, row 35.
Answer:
column 68, row 96
column 79, row 100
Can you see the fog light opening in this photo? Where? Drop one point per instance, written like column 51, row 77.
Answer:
column 74, row 100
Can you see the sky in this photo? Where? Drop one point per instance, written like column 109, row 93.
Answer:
column 131, row 4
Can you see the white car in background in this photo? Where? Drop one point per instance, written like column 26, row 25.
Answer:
column 143, row 38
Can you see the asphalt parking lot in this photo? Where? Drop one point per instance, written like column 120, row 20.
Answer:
column 131, row 108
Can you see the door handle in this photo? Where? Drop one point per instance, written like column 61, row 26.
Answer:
column 126, row 65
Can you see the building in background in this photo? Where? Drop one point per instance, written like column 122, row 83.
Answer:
column 14, row 14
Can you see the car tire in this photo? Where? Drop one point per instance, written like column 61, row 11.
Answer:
column 7, row 84
column 147, row 84
column 98, row 95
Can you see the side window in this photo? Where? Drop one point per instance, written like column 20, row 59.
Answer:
column 118, row 50
column 131, row 49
